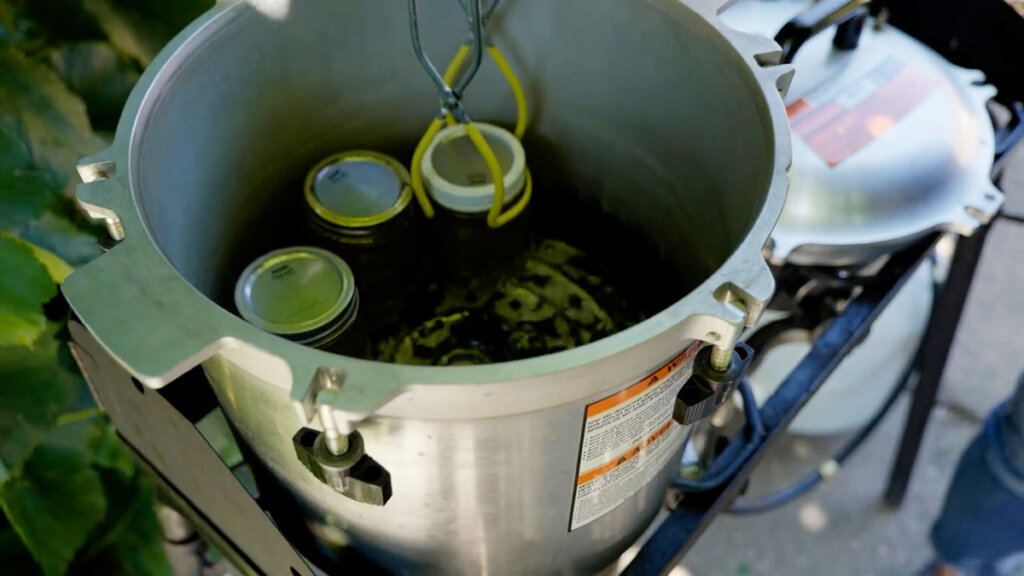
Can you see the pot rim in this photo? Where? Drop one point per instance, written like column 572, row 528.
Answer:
column 187, row 328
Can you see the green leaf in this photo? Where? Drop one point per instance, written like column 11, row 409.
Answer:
column 131, row 527
column 34, row 390
column 141, row 547
column 13, row 152
column 71, row 435
column 54, row 505
column 61, row 20
column 24, row 196
column 15, row 557
column 7, row 18
column 51, row 120
column 141, row 29
column 90, row 432
column 25, row 286
column 106, row 449
column 55, row 267
column 70, row 241
column 128, row 540
column 100, row 75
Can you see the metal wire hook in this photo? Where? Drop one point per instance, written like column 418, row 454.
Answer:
column 451, row 97
column 486, row 12
column 485, row 35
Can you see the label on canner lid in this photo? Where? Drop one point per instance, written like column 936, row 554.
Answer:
column 838, row 120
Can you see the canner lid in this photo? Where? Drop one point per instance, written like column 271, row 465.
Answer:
column 890, row 142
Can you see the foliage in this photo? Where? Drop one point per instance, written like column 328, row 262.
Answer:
column 72, row 500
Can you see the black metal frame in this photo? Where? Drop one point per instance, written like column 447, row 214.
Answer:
column 684, row 525
column 945, row 318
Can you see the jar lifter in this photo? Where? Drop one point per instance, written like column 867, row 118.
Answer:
column 452, row 111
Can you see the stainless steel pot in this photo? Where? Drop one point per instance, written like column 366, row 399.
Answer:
column 661, row 115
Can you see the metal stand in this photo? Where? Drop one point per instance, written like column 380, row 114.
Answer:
column 163, row 438
column 684, row 525
column 934, row 354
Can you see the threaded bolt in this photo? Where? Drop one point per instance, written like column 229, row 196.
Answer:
column 336, row 442
column 721, row 358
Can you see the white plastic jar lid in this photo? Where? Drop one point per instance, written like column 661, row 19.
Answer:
column 456, row 175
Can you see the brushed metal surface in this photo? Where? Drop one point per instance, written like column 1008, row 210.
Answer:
column 929, row 171
column 662, row 117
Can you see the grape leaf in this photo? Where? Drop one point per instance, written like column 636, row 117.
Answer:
column 54, row 505
column 106, row 449
column 16, row 558
column 24, row 196
column 131, row 527
column 34, row 389
column 51, row 119
column 25, row 286
column 55, row 267
column 61, row 20
column 140, row 29
column 24, row 193
column 72, row 243
column 141, row 547
column 7, row 18
column 13, row 152
column 101, row 76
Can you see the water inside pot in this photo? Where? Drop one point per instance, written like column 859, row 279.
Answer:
column 577, row 276
column 565, row 274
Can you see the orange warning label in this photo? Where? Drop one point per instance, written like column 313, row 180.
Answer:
column 627, row 438
column 837, row 122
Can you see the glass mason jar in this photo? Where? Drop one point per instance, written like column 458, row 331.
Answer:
column 458, row 181
column 358, row 206
column 305, row 294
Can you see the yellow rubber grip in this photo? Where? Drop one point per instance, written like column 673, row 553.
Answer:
column 416, row 174
column 516, row 210
column 494, row 168
column 517, row 90
column 495, row 217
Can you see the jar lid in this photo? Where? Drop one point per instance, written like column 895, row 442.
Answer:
column 358, row 188
column 457, row 176
column 304, row 294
